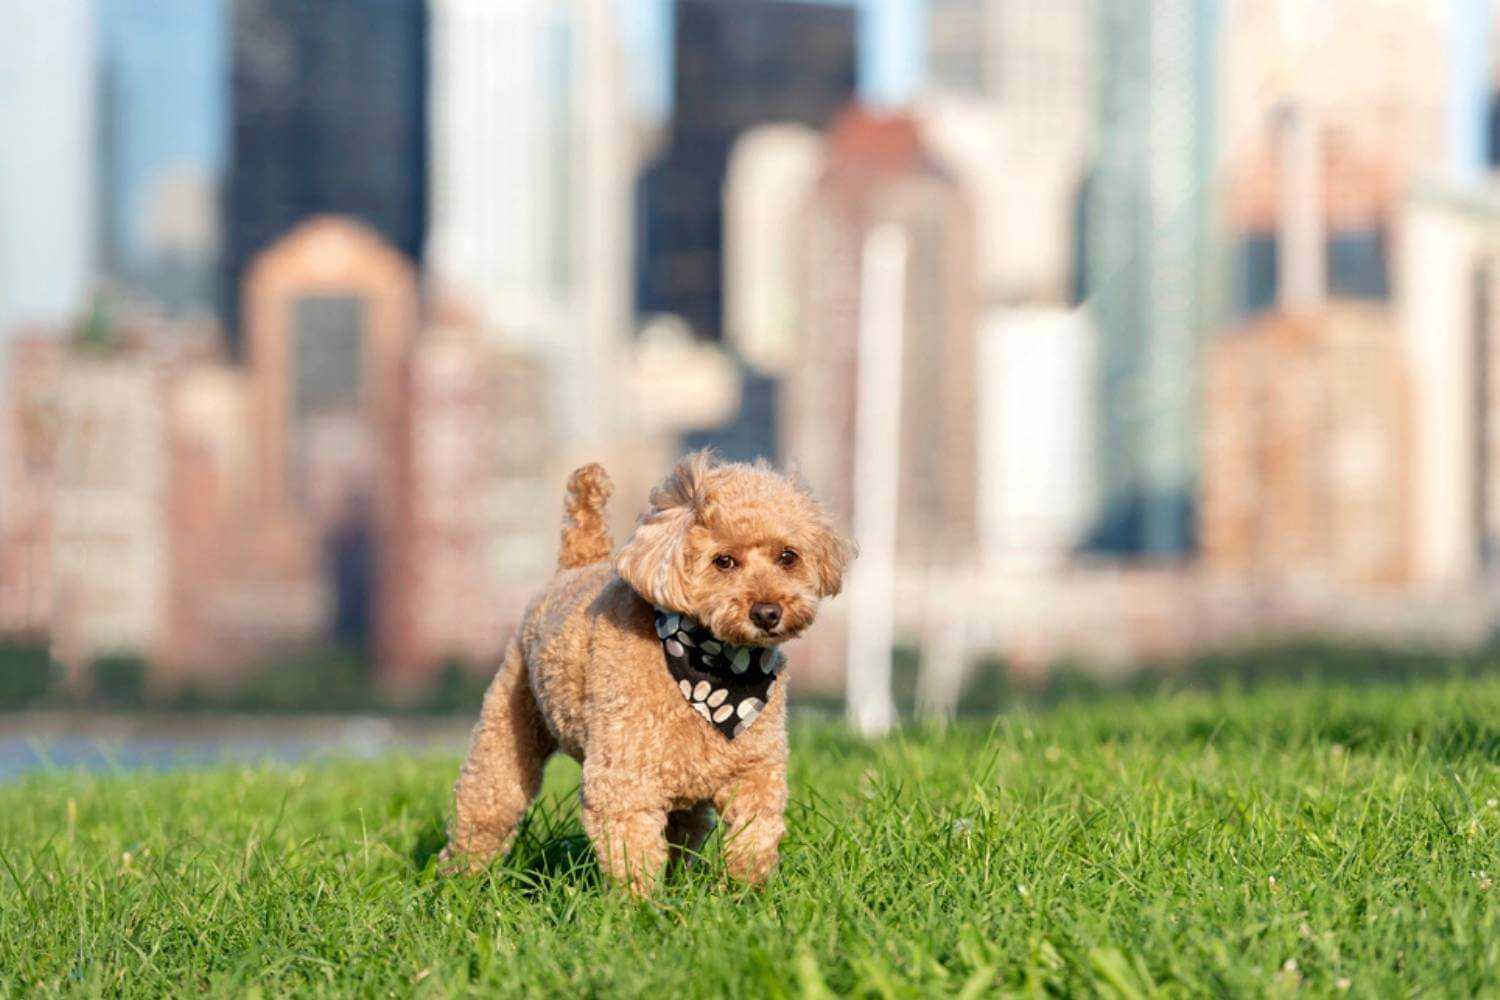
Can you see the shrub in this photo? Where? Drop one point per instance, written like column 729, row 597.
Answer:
column 459, row 688
column 321, row 679
column 119, row 679
column 27, row 672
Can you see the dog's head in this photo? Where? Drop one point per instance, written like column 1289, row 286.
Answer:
column 744, row 549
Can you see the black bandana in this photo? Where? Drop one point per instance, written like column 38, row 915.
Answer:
column 726, row 684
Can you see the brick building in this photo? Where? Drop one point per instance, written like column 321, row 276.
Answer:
column 28, row 433
column 1306, row 471
column 878, row 173
column 479, row 503
column 331, row 314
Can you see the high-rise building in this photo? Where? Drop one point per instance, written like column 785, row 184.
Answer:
column 132, row 528
column 530, row 164
column 1149, row 257
column 879, row 178
column 28, row 436
column 1371, row 73
column 1344, row 201
column 957, row 46
column 111, row 475
column 331, row 313
column 1351, row 97
column 1036, row 63
column 480, row 501
column 1011, row 107
column 47, row 116
column 163, row 112
column 328, row 114
column 1037, row 492
column 1305, row 478
column 109, row 511
column 772, row 172
column 1448, row 295
column 738, row 65
column 1025, row 204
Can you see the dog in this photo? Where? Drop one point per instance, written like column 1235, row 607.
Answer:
column 659, row 671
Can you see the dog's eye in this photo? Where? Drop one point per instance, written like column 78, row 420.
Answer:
column 788, row 558
column 725, row 561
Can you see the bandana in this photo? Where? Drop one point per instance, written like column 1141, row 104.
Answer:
column 726, row 684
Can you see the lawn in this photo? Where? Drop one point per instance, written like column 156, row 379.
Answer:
column 1317, row 838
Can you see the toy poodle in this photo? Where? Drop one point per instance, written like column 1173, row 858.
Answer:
column 658, row 671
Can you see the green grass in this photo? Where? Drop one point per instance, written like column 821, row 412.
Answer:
column 1299, row 838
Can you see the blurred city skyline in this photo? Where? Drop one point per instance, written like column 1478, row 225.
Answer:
column 1180, row 292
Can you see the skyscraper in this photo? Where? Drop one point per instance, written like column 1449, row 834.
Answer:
column 1034, row 62
column 1372, row 72
column 331, row 312
column 1342, row 204
column 1148, row 257
column 28, row 433
column 1037, row 491
column 1304, row 443
column 47, row 116
column 478, row 506
column 1357, row 89
column 529, row 186
column 1448, row 292
column 738, row 65
column 879, row 178
column 772, row 172
column 328, row 115
column 956, row 46
column 1012, row 107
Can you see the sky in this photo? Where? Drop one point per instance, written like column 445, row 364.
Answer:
column 167, row 62
column 892, row 47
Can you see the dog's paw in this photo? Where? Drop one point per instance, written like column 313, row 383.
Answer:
column 452, row 862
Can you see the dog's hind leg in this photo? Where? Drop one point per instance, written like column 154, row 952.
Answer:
column 503, row 771
column 687, row 829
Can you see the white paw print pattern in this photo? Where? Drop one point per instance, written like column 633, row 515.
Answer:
column 726, row 684
column 711, row 702
column 748, row 711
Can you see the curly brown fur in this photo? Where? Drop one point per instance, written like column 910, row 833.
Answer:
column 585, row 536
column 586, row 674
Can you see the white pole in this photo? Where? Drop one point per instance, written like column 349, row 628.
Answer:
column 877, row 465
column 944, row 659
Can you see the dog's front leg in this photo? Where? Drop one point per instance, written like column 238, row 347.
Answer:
column 502, row 772
column 628, row 831
column 753, row 808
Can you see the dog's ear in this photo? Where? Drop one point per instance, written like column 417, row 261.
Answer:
column 830, row 554
column 654, row 559
column 829, row 550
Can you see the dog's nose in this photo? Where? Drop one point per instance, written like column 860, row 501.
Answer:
column 767, row 616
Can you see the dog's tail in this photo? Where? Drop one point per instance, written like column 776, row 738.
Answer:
column 585, row 535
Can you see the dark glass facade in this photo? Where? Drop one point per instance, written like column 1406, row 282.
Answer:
column 328, row 115
column 738, row 65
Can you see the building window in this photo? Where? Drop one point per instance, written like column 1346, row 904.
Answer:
column 328, row 334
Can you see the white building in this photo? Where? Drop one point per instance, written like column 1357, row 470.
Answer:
column 772, row 172
column 110, row 551
column 47, row 102
column 1011, row 109
column 1036, row 61
column 1025, row 205
column 1448, row 291
column 1038, row 426
column 530, row 186
column 1373, row 71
